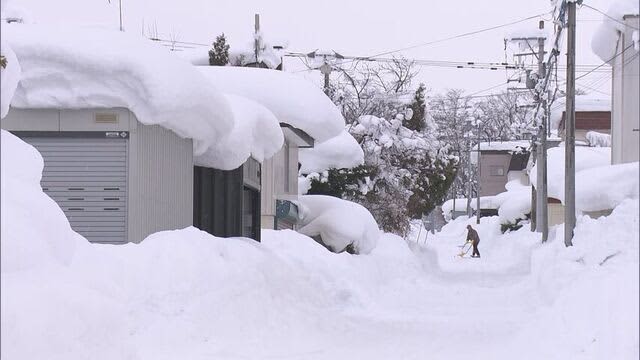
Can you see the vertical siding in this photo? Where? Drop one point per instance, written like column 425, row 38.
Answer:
column 489, row 184
column 160, row 181
column 625, row 124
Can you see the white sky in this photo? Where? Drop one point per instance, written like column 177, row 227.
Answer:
column 354, row 27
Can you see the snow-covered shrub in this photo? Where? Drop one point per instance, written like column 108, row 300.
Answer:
column 596, row 139
column 339, row 225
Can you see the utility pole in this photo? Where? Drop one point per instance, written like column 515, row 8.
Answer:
column 542, row 208
column 469, row 181
column 120, row 10
column 326, row 69
column 256, row 40
column 570, row 127
column 478, row 178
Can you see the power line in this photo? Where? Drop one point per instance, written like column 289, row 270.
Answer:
column 609, row 16
column 442, row 40
column 605, row 63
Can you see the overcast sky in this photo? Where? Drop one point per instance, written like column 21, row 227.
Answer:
column 353, row 27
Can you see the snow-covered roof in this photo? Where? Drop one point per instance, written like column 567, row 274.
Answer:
column 586, row 158
column 291, row 98
column 256, row 133
column 605, row 39
column 74, row 68
column 342, row 151
column 582, row 102
column 199, row 56
column 512, row 146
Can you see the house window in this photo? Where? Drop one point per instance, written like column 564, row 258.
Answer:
column 496, row 171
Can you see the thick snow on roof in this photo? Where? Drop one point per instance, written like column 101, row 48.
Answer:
column 586, row 158
column 342, row 151
column 199, row 56
column 97, row 68
column 340, row 223
column 292, row 99
column 605, row 39
column 583, row 103
column 256, row 133
column 515, row 146
column 605, row 187
column 9, row 77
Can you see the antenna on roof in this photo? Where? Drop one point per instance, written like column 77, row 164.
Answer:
column 120, row 11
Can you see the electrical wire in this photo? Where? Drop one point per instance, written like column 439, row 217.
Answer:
column 609, row 16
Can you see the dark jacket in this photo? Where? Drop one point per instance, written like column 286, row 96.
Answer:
column 472, row 236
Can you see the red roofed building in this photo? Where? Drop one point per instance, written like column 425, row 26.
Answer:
column 599, row 121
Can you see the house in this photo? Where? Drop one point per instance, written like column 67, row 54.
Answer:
column 305, row 115
column 501, row 162
column 598, row 121
column 625, row 129
column 616, row 42
column 154, row 147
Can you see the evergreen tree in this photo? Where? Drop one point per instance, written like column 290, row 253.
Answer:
column 418, row 121
column 219, row 54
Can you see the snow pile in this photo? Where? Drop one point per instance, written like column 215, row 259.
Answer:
column 9, row 77
column 77, row 68
column 596, row 139
column 292, row 99
column 341, row 224
column 605, row 187
column 342, row 151
column 35, row 231
column 256, row 133
column 605, row 40
column 512, row 205
column 586, row 157
column 187, row 294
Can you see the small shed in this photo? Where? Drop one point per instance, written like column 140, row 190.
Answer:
column 116, row 179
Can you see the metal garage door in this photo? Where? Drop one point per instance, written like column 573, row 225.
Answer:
column 86, row 176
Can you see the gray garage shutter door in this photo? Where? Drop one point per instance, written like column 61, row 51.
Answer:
column 87, row 178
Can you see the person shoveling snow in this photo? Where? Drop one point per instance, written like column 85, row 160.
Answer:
column 474, row 239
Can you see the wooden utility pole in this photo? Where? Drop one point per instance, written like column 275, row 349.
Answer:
column 543, row 217
column 570, row 127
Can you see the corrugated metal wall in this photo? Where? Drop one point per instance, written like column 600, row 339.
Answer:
column 160, row 181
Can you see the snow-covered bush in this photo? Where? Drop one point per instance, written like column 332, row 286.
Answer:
column 596, row 139
column 337, row 224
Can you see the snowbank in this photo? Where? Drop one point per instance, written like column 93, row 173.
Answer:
column 187, row 294
column 9, row 77
column 342, row 151
column 341, row 224
column 76, row 68
column 586, row 157
column 606, row 187
column 605, row 39
column 35, row 231
column 256, row 133
column 292, row 99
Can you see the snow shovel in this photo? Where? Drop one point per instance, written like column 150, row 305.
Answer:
column 464, row 249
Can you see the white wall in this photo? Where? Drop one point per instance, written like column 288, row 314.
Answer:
column 625, row 114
